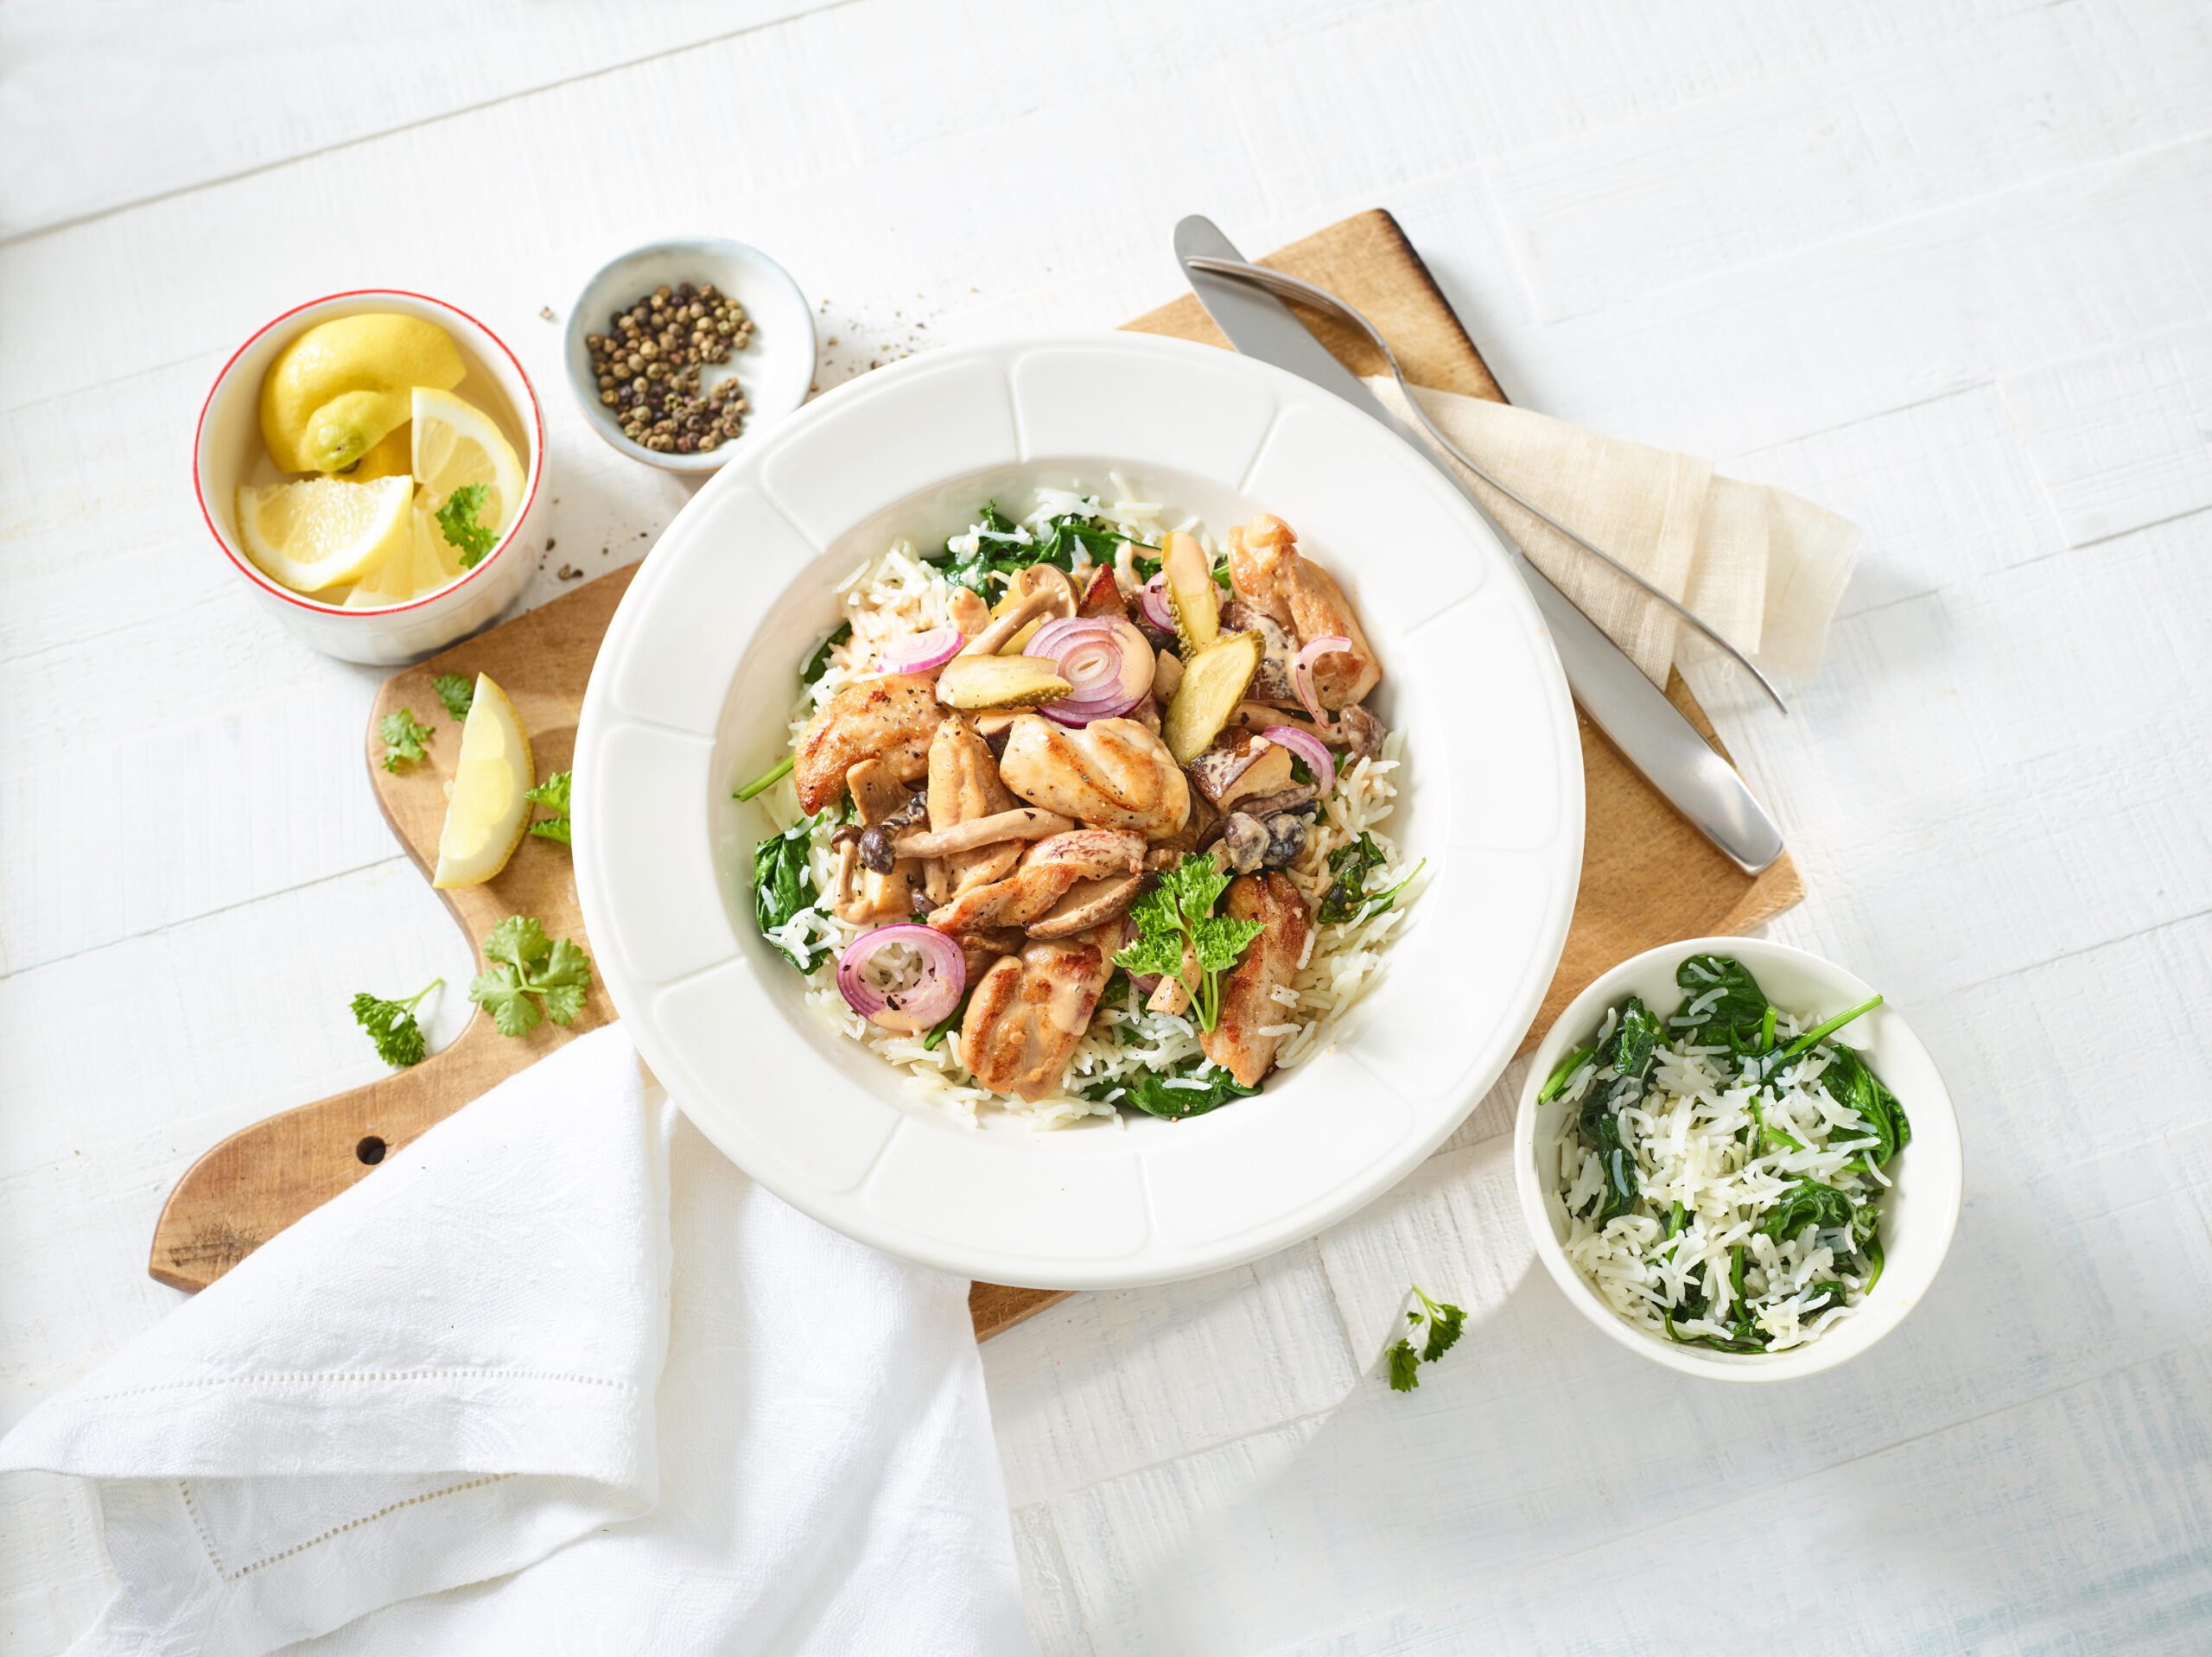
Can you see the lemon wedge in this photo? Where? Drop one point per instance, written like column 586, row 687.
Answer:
column 336, row 391
column 394, row 457
column 422, row 563
column 486, row 808
column 317, row 532
column 456, row 444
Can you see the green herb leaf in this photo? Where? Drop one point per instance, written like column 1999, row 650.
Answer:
column 1737, row 1013
column 1350, row 864
column 529, row 977
column 818, row 663
column 456, row 692
column 457, row 522
column 1176, row 916
column 1445, row 1324
column 1405, row 1367
column 499, row 990
column 1808, row 1203
column 1849, row 1081
column 400, row 1040
column 553, row 795
column 783, row 887
column 402, row 737
column 1170, row 1093
column 766, row 780
column 1004, row 547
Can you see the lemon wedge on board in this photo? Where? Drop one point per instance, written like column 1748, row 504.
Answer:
column 316, row 532
column 456, row 443
column 488, row 810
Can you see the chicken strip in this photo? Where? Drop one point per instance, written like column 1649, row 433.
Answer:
column 1047, row 871
column 964, row 786
column 1272, row 575
column 1248, row 1002
column 1028, row 1012
column 891, row 719
column 884, row 888
column 1112, row 772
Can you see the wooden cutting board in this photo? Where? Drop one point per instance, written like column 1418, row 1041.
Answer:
column 1647, row 875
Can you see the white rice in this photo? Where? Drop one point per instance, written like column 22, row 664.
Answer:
column 895, row 595
column 1684, row 1136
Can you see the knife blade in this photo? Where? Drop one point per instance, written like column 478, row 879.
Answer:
column 1636, row 716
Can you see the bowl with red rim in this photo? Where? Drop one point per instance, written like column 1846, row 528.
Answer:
column 227, row 451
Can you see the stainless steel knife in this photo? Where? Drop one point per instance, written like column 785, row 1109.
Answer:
column 1633, row 713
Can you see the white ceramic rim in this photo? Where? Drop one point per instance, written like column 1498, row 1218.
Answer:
column 587, row 394
column 276, row 589
column 687, row 974
column 1935, row 1125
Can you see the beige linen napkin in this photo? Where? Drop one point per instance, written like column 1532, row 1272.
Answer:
column 1761, row 566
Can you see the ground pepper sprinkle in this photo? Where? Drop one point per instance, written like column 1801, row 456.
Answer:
column 647, row 364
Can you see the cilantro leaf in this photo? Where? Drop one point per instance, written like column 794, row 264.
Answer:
column 529, row 977
column 400, row 1040
column 553, row 795
column 1405, row 1363
column 457, row 693
column 1176, row 917
column 457, row 522
column 402, row 738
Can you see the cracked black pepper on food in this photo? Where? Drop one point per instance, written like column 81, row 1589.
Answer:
column 647, row 366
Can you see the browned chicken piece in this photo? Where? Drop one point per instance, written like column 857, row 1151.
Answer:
column 983, row 951
column 1101, row 594
column 1112, row 772
column 1271, row 574
column 1247, row 1005
column 1047, row 871
column 1027, row 1013
column 884, row 888
column 964, row 786
column 891, row 719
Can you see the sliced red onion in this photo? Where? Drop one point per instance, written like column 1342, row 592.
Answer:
column 930, row 1000
column 1302, row 673
column 1157, row 610
column 1104, row 659
column 1309, row 747
column 924, row 652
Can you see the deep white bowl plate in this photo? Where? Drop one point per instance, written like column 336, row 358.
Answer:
column 693, row 688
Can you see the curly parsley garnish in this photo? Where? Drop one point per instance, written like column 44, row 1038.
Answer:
column 402, row 738
column 1445, row 1324
column 391, row 1025
column 457, row 522
column 530, row 977
column 1176, row 919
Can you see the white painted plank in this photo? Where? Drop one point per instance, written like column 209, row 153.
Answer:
column 158, row 98
column 1055, row 1622
column 1107, row 1382
column 1943, row 490
column 1602, row 217
column 2123, row 438
column 1886, row 317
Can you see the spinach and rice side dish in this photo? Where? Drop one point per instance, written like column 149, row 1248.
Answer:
column 1084, row 811
column 1723, row 1172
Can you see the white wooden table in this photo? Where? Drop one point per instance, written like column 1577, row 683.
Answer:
column 1944, row 265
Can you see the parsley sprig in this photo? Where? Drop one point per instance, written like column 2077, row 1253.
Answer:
column 457, row 522
column 1445, row 1324
column 391, row 1025
column 530, row 977
column 402, row 737
column 1175, row 920
column 456, row 692
column 553, row 795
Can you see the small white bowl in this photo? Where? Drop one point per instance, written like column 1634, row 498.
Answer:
column 227, row 451
column 777, row 369
column 1918, row 1215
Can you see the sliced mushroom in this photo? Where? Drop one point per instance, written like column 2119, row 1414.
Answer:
column 1244, row 841
column 1362, row 733
column 1230, row 771
column 1034, row 602
column 1272, row 680
column 1289, row 799
column 1167, row 674
column 1086, row 905
column 1286, row 840
column 969, row 613
column 884, row 894
column 1173, row 993
column 1023, row 822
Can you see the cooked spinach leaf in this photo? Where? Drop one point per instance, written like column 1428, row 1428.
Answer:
column 1736, row 1010
column 818, row 663
column 1628, row 1052
column 783, row 886
column 1563, row 1073
column 1004, row 547
column 1808, row 1203
column 1849, row 1081
column 1175, row 1092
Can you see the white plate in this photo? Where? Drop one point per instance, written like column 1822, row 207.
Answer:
column 690, row 696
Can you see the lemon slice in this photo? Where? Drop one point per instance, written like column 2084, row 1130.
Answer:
column 456, row 443
column 487, row 811
column 319, row 531
column 423, row 564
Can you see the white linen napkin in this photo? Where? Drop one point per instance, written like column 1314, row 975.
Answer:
column 1761, row 566
column 558, row 1377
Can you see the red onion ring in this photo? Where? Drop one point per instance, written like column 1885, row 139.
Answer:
column 1153, row 595
column 1301, row 674
column 1309, row 747
column 945, row 975
column 1101, row 657
column 924, row 652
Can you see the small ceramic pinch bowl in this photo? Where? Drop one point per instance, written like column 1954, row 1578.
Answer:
column 1919, row 1213
column 228, row 450
column 776, row 370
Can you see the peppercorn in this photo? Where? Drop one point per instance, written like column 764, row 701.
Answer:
column 647, row 367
